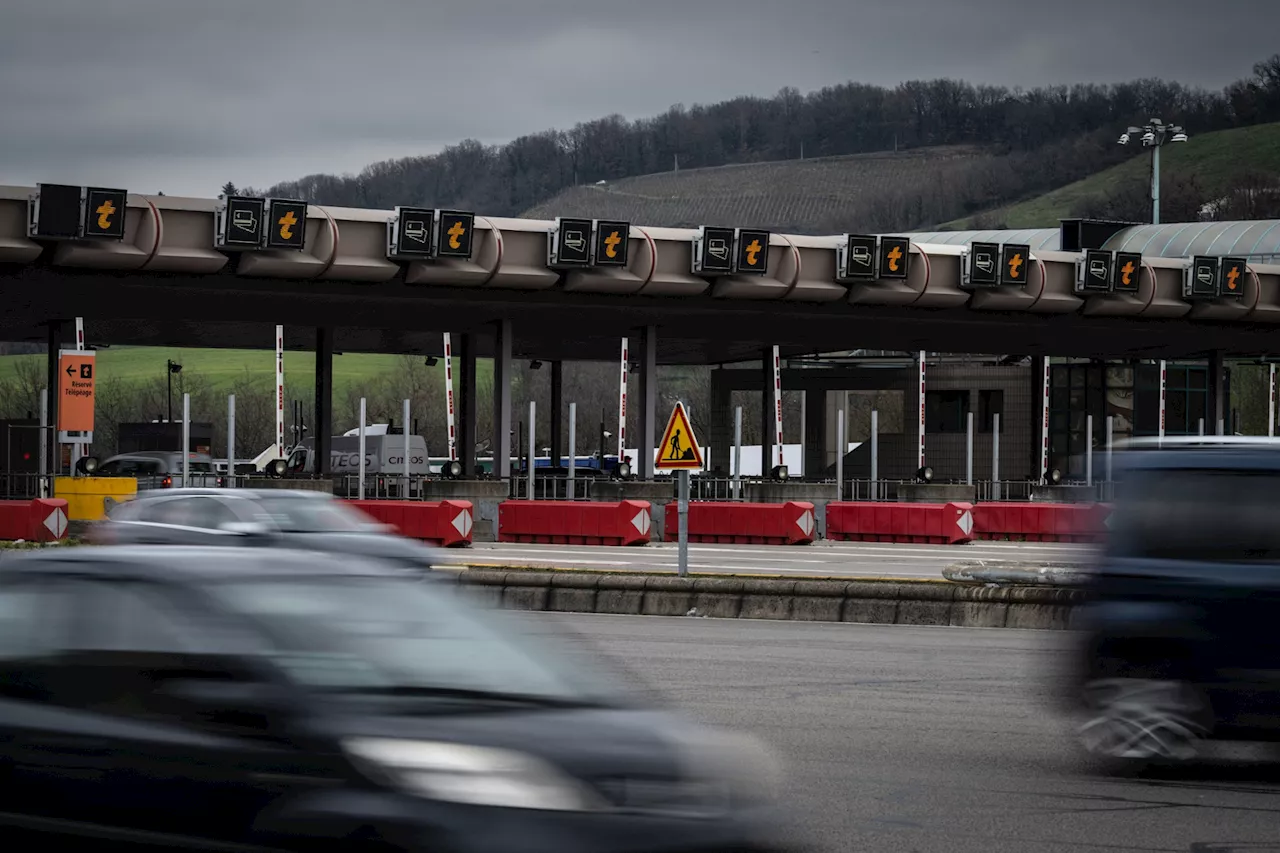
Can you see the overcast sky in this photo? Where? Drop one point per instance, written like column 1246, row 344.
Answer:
column 181, row 96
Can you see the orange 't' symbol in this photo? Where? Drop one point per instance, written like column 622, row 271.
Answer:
column 286, row 225
column 1015, row 263
column 1233, row 275
column 753, row 251
column 895, row 255
column 611, row 244
column 455, row 232
column 104, row 212
column 1126, row 273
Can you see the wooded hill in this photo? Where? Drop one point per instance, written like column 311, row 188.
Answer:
column 1018, row 144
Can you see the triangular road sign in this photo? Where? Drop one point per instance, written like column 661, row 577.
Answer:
column 679, row 449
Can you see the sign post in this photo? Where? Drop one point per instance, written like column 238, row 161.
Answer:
column 679, row 452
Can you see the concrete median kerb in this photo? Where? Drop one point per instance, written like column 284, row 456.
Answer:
column 901, row 602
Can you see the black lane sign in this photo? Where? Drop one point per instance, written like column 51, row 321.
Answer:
column 457, row 234
column 243, row 220
column 860, row 254
column 104, row 213
column 411, row 232
column 1231, row 278
column 1015, row 260
column 713, row 251
column 1125, row 273
column 984, row 260
column 894, row 254
column 571, row 243
column 1202, row 278
column 753, row 252
column 611, row 243
column 286, row 224
column 57, row 212
column 1095, row 271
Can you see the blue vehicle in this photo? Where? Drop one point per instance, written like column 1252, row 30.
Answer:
column 1178, row 630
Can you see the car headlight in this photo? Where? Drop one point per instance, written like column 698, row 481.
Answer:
column 476, row 775
column 739, row 760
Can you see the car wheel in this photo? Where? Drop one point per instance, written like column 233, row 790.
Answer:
column 1138, row 721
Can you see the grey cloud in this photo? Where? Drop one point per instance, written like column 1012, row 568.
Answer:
column 181, row 95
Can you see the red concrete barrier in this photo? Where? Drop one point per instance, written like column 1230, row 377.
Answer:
column 1040, row 522
column 574, row 522
column 876, row 521
column 790, row 523
column 39, row 520
column 444, row 523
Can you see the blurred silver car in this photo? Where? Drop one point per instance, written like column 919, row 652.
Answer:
column 262, row 517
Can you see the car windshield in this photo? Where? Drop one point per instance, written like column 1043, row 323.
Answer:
column 313, row 515
column 386, row 636
column 1222, row 515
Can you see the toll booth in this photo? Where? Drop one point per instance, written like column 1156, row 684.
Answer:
column 163, row 435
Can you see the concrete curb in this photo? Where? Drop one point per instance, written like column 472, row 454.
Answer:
column 1011, row 572
column 899, row 602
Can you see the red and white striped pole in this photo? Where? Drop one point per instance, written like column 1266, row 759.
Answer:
column 279, row 392
column 920, row 424
column 1271, row 405
column 1044, row 422
column 777, row 404
column 448, row 396
column 1163, row 389
column 622, row 405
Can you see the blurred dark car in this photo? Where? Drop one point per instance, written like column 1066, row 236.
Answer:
column 271, row 517
column 277, row 699
column 1178, row 630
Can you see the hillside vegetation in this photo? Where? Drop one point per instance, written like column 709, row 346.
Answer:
column 1053, row 135
column 1207, row 168
column 792, row 196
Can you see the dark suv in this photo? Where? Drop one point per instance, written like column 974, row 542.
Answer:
column 1179, row 631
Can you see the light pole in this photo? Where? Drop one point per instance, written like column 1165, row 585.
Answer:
column 1154, row 134
column 174, row 367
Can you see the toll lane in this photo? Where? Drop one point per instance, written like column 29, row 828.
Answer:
column 822, row 559
column 938, row 740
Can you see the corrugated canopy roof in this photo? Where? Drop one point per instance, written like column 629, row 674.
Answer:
column 1259, row 239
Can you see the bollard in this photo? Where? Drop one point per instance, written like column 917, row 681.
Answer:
column 533, row 410
column 995, row 457
column 573, row 450
column 231, row 440
column 186, row 440
column 362, row 443
column 968, row 452
column 1088, row 450
column 841, row 444
column 737, row 452
column 875, row 452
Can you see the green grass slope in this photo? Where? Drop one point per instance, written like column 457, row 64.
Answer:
column 1214, row 159
column 222, row 368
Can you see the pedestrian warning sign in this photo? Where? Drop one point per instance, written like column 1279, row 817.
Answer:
column 679, row 449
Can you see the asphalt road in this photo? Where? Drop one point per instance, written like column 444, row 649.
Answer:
column 936, row 740
column 822, row 559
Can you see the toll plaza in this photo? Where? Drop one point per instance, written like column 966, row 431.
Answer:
column 1108, row 305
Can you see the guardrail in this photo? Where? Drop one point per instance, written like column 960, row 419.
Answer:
column 17, row 485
